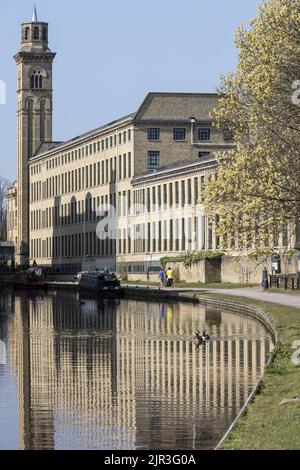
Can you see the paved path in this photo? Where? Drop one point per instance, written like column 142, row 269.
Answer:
column 290, row 300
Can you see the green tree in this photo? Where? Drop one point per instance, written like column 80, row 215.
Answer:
column 257, row 186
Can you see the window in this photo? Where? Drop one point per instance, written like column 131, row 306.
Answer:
column 179, row 133
column 227, row 135
column 183, row 193
column 153, row 160
column 153, row 133
column 36, row 80
column 27, row 31
column 45, row 34
column 129, row 165
column 177, row 193
column 204, row 134
column 189, row 192
column 36, row 33
column 204, row 154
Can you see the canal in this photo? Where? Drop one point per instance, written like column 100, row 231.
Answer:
column 79, row 373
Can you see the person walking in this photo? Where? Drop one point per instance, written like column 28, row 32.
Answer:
column 265, row 282
column 170, row 277
column 161, row 276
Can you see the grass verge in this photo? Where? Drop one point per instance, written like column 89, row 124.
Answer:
column 267, row 425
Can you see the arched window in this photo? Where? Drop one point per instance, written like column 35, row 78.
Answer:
column 36, row 33
column 27, row 30
column 45, row 34
column 36, row 80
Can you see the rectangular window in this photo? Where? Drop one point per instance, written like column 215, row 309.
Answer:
column 176, row 194
column 204, row 154
column 124, row 166
column 106, row 171
column 154, row 237
column 204, row 134
column 196, row 190
column 202, row 188
column 153, row 160
column 165, row 197
column 149, row 237
column 189, row 191
column 148, row 200
column 171, row 243
column 120, row 167
column 179, row 133
column 153, row 133
column 227, row 135
column 129, row 165
column 159, row 198
column 98, row 174
column 102, row 172
column 153, row 198
column 159, row 236
column 183, row 193
column 170, row 195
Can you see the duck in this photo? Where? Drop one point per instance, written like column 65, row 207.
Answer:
column 198, row 338
column 205, row 336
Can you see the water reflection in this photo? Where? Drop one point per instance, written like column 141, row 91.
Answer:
column 105, row 374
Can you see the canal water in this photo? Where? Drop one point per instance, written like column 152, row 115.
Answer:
column 77, row 373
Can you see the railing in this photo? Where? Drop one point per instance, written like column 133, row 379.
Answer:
column 290, row 281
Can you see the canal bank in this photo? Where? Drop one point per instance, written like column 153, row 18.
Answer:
column 264, row 423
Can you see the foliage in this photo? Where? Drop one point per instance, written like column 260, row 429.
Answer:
column 257, row 187
column 266, row 252
column 190, row 258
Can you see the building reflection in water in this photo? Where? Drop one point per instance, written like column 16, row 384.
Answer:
column 106, row 374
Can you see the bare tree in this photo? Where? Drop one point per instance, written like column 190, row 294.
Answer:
column 4, row 185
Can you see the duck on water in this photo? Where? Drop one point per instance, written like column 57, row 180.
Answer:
column 201, row 339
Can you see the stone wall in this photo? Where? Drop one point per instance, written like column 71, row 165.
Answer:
column 233, row 270
column 245, row 270
column 205, row 271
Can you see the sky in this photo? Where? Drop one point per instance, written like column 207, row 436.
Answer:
column 110, row 54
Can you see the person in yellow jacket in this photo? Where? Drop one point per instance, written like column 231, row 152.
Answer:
column 170, row 277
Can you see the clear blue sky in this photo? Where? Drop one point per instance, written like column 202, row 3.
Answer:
column 110, row 54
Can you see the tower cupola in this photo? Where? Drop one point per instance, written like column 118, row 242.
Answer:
column 35, row 34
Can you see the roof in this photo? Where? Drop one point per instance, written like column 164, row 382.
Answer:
column 156, row 106
column 178, row 168
column 34, row 15
column 82, row 137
